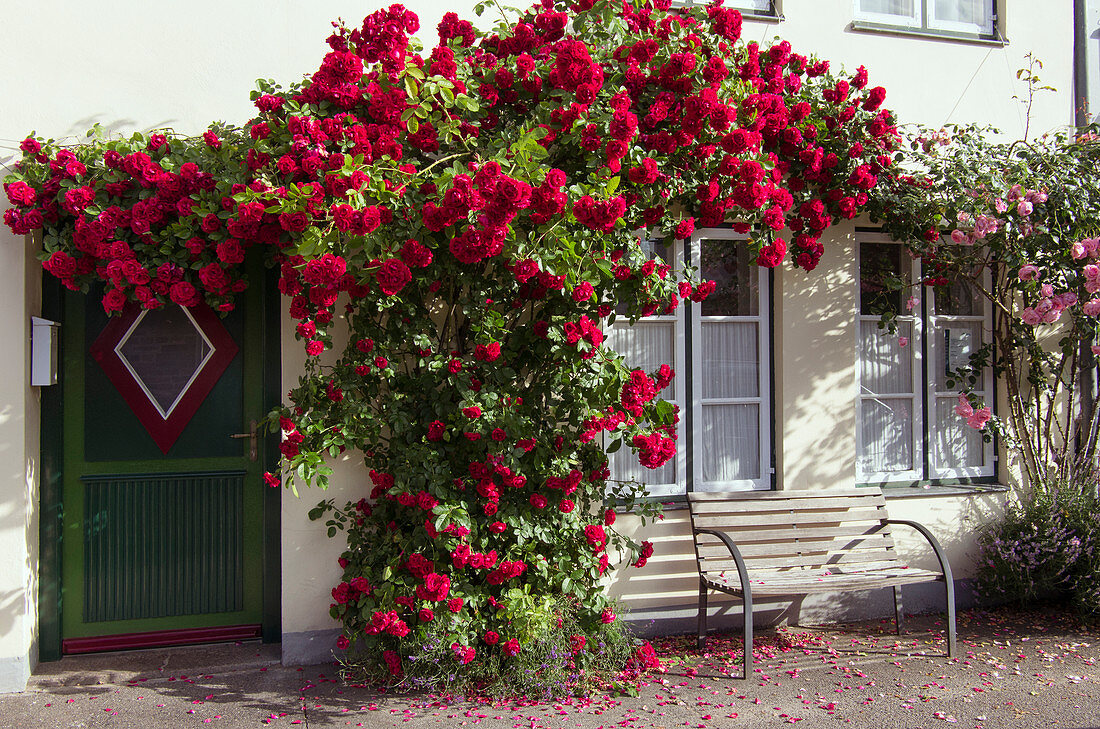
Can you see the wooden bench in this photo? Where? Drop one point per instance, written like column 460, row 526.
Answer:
column 784, row 543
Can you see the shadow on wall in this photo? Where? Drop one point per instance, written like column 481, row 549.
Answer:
column 662, row 597
column 814, row 361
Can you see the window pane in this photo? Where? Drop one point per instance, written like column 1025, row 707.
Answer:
column 969, row 12
column 957, row 341
column 730, row 360
column 625, row 467
column 730, row 439
column 886, row 443
column 885, row 367
column 164, row 350
column 647, row 345
column 957, row 299
column 905, row 8
column 956, row 444
column 736, row 277
column 879, row 263
column 758, row 5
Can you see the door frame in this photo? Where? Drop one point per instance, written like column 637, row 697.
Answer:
column 51, row 507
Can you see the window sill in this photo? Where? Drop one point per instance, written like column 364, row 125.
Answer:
column 862, row 26
column 966, row 489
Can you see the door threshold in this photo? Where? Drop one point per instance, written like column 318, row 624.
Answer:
column 159, row 638
column 156, row 664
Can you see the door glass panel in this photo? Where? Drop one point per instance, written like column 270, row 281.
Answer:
column 736, row 277
column 958, row 340
column 164, row 350
column 886, row 435
column 730, row 359
column 885, row 367
column 956, row 444
column 730, row 437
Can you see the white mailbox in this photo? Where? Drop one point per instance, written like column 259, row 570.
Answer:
column 44, row 336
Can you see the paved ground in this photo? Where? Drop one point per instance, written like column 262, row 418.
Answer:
column 1014, row 670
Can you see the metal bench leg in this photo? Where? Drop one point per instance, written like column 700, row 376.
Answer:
column 746, row 622
column 950, row 584
column 702, row 641
column 899, row 610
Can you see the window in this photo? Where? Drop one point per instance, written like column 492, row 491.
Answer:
column 720, row 351
column 907, row 428
column 975, row 17
column 749, row 7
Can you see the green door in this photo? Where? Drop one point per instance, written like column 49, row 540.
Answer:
column 162, row 496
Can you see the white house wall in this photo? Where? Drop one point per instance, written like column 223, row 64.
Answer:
column 135, row 65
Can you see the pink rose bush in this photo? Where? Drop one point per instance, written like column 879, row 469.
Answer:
column 1010, row 228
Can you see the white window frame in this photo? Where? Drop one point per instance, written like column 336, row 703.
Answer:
column 763, row 481
column 752, row 8
column 926, row 326
column 695, row 403
column 905, row 21
column 937, row 323
column 924, row 18
column 678, row 385
column 912, row 350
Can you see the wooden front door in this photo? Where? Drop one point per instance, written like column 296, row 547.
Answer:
column 162, row 496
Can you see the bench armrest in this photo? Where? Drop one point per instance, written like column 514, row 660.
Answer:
column 742, row 570
column 941, row 555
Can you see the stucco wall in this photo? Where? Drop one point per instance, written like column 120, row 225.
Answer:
column 132, row 64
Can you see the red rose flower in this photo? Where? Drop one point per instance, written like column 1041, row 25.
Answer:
column 392, row 276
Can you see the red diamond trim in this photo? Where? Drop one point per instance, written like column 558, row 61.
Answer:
column 164, row 431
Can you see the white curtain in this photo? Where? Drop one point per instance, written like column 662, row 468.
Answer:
column 730, row 359
column 886, row 436
column 885, row 367
column 889, row 7
column 646, row 345
column 976, row 12
column 747, row 4
column 730, row 438
column 956, row 445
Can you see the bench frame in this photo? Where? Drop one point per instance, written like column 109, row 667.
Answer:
column 806, row 502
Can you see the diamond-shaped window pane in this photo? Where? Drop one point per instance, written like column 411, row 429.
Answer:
column 164, row 350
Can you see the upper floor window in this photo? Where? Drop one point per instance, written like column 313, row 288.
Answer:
column 750, row 8
column 975, row 17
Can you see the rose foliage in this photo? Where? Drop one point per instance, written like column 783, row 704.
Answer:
column 456, row 229
column 1015, row 224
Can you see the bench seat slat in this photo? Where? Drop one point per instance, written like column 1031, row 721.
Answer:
column 766, row 533
column 709, row 508
column 773, row 548
column 832, row 516
column 782, row 583
column 807, row 561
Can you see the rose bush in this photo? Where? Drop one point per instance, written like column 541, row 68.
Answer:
column 470, row 219
column 1016, row 223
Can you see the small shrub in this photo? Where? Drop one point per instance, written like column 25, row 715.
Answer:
column 558, row 658
column 1046, row 549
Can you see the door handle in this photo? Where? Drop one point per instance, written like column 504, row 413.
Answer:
column 253, row 442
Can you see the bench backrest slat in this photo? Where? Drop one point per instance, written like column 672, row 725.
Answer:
column 793, row 530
